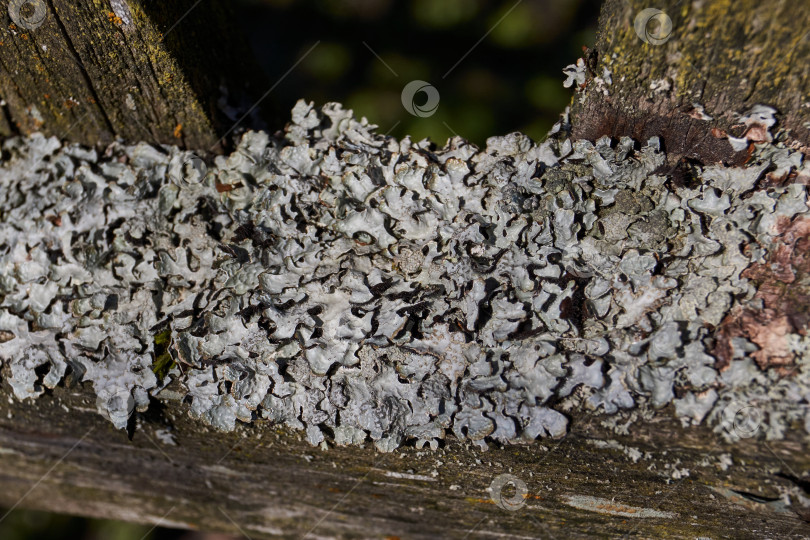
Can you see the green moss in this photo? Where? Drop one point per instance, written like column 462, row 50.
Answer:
column 163, row 361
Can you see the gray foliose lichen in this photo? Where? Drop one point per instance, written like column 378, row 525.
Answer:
column 362, row 288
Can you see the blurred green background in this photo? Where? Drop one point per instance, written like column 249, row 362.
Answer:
column 508, row 59
column 510, row 81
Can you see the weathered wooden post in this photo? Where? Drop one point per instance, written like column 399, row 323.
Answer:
column 320, row 333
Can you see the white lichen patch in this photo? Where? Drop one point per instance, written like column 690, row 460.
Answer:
column 613, row 508
column 360, row 288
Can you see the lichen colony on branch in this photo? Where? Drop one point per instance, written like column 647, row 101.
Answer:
column 358, row 287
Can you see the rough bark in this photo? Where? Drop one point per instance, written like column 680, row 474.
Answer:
column 725, row 56
column 93, row 70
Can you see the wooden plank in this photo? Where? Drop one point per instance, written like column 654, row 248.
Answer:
column 268, row 483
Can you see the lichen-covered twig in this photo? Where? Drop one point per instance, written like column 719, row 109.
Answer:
column 357, row 287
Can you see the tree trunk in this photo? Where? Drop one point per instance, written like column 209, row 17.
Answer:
column 93, row 70
column 724, row 57
column 639, row 473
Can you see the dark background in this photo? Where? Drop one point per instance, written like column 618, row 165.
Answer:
column 510, row 81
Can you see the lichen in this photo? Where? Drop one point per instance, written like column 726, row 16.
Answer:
column 360, row 288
